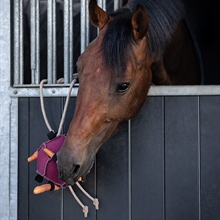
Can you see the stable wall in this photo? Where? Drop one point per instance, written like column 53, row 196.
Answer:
column 162, row 164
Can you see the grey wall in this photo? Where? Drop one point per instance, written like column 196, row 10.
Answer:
column 163, row 164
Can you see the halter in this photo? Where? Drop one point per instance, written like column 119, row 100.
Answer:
column 85, row 209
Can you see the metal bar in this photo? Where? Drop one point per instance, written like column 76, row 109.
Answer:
column 54, row 40
column 5, row 100
column 87, row 21
column 117, row 4
column 71, row 65
column 33, row 39
column 35, row 42
column 16, row 42
column 84, row 30
column 61, row 90
column 48, row 92
column 50, row 41
column 102, row 4
column 184, row 90
column 21, row 66
column 66, row 41
column 13, row 158
column 37, row 71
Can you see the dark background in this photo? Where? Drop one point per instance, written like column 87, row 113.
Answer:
column 204, row 18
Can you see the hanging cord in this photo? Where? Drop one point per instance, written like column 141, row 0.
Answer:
column 42, row 104
column 95, row 200
column 85, row 208
column 65, row 107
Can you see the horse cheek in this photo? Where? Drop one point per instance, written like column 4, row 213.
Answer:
column 141, row 92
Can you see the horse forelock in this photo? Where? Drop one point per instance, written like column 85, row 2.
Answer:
column 164, row 17
column 117, row 42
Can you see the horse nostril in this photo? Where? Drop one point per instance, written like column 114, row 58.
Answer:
column 70, row 173
column 76, row 169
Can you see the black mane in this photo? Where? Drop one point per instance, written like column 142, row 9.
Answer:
column 117, row 41
column 164, row 16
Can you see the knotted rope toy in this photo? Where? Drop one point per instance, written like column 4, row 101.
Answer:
column 47, row 159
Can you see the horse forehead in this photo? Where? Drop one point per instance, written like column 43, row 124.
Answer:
column 96, row 45
column 94, row 74
column 91, row 63
column 91, row 60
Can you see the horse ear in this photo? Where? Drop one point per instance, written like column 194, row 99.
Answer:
column 97, row 15
column 140, row 23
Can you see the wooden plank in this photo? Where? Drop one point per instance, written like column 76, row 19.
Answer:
column 69, row 113
column 210, row 157
column 112, row 176
column 148, row 161
column 23, row 153
column 181, row 162
column 45, row 205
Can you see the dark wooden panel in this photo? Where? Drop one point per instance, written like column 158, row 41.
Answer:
column 23, row 153
column 112, row 177
column 46, row 205
column 148, row 161
column 152, row 196
column 181, row 162
column 69, row 113
column 210, row 157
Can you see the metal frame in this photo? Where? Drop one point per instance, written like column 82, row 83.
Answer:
column 61, row 91
column 9, row 95
column 8, row 121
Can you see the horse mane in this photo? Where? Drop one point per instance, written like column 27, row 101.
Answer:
column 164, row 16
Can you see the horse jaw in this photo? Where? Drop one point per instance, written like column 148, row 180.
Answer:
column 77, row 155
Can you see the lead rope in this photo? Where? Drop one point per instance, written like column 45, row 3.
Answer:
column 85, row 209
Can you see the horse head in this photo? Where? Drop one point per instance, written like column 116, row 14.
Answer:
column 114, row 79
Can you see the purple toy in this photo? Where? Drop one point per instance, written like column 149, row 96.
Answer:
column 47, row 166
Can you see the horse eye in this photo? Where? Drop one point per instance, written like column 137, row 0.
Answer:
column 123, row 87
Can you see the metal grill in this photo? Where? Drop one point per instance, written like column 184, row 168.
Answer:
column 68, row 40
column 22, row 89
column 11, row 54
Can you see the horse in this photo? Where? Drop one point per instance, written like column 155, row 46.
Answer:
column 143, row 43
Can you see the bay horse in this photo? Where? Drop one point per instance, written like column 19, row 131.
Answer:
column 144, row 42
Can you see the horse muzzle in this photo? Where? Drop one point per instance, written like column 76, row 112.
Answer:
column 71, row 172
